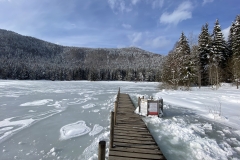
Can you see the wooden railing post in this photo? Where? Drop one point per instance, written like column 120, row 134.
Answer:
column 139, row 104
column 111, row 130
column 161, row 101
column 118, row 95
column 101, row 150
column 115, row 112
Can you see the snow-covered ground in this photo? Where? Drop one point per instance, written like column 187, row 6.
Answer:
column 222, row 105
column 66, row 120
column 199, row 124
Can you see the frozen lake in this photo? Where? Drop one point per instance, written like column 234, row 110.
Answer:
column 66, row 120
column 58, row 120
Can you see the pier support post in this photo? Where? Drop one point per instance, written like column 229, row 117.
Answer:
column 111, row 130
column 139, row 104
column 115, row 112
column 101, row 150
column 118, row 95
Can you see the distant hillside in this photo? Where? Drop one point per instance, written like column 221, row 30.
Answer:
column 24, row 57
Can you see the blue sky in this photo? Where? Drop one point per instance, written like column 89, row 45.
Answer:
column 153, row 25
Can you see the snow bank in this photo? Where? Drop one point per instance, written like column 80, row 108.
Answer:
column 188, row 139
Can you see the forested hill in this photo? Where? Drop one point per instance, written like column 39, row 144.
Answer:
column 24, row 57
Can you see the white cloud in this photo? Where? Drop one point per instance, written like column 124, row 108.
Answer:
column 5, row 0
column 119, row 5
column 135, row 37
column 207, row 1
column 134, row 2
column 158, row 42
column 157, row 3
column 127, row 26
column 226, row 32
column 111, row 3
column 183, row 12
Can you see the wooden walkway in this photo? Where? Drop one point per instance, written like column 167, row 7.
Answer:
column 131, row 138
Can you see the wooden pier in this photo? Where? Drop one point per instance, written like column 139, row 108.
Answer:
column 129, row 136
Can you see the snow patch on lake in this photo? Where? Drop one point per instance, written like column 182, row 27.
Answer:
column 37, row 103
column 96, row 129
column 9, row 127
column 90, row 105
column 32, row 111
column 88, row 153
column 74, row 130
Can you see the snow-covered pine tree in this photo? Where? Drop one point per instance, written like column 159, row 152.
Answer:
column 196, row 65
column 236, row 49
column 204, row 45
column 186, row 66
column 217, row 57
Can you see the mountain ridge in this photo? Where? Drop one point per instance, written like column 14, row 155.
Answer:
column 17, row 50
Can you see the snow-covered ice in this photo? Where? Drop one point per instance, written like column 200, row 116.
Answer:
column 37, row 103
column 66, row 120
column 74, row 130
column 96, row 129
column 71, row 117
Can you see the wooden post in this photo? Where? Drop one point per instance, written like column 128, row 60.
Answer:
column 101, row 150
column 111, row 130
column 161, row 101
column 115, row 112
column 139, row 104
column 147, row 107
column 118, row 95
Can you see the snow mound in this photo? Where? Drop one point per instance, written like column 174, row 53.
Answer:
column 74, row 130
column 96, row 129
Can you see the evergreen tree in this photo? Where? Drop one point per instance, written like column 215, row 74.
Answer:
column 183, row 54
column 178, row 65
column 236, row 49
column 204, row 43
column 217, row 57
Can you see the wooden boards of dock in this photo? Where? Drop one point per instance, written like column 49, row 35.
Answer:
column 129, row 136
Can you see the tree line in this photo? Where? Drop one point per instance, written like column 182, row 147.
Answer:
column 23, row 58
column 209, row 62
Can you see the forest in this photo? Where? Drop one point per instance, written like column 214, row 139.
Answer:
column 210, row 61
column 28, row 58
